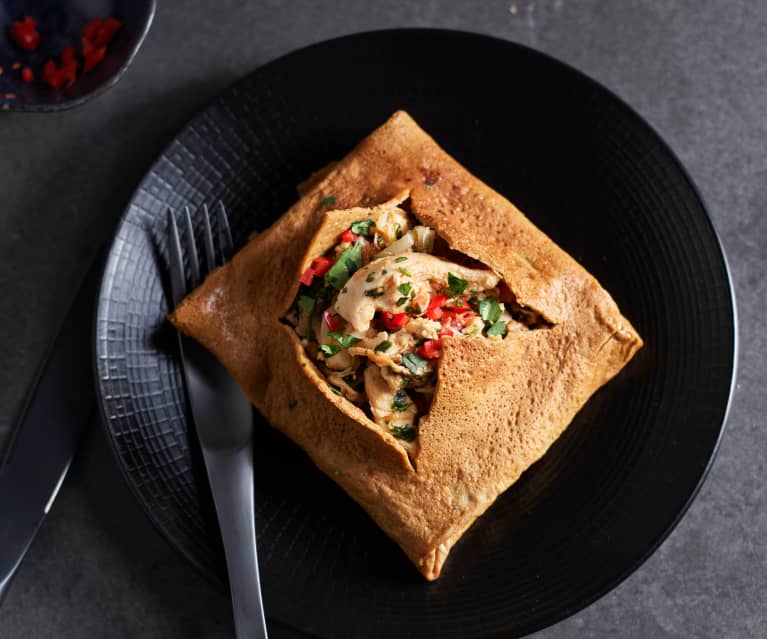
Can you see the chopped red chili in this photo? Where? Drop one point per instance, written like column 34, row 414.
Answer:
column 434, row 310
column 330, row 320
column 430, row 349
column 92, row 58
column 27, row 75
column 1, row 70
column 24, row 34
column 16, row 66
column 321, row 265
column 394, row 321
column 349, row 236
column 306, row 277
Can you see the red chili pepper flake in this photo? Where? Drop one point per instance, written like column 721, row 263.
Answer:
column 16, row 66
column 306, row 277
column 348, row 236
column 321, row 265
column 97, row 35
column 27, row 75
column 430, row 349
column 10, row 96
column 330, row 320
column 1, row 70
column 24, row 34
column 394, row 321
column 434, row 310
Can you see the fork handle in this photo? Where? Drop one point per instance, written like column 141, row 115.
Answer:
column 231, row 479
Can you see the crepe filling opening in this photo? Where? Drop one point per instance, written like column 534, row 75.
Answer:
column 373, row 312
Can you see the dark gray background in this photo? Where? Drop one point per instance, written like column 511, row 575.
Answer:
column 696, row 70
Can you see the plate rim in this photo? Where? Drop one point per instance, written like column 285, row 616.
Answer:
column 665, row 148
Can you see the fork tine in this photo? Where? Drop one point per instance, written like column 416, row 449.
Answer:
column 176, row 261
column 207, row 239
column 191, row 247
column 227, row 246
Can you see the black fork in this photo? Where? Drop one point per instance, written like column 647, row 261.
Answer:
column 223, row 418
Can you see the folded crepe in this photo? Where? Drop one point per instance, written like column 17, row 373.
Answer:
column 531, row 335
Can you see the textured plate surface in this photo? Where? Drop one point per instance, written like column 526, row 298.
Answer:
column 588, row 171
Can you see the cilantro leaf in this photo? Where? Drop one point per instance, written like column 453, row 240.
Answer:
column 382, row 347
column 400, row 402
column 405, row 288
column 499, row 328
column 374, row 292
column 490, row 310
column 416, row 364
column 401, row 301
column 405, row 432
column 344, row 340
column 402, row 258
column 370, row 277
column 348, row 263
column 328, row 201
column 328, row 350
column 404, row 271
column 456, row 284
column 362, row 227
column 335, row 389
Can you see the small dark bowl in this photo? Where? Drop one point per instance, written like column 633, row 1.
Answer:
column 60, row 23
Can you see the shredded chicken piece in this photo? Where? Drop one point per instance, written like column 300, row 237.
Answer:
column 382, row 401
column 370, row 289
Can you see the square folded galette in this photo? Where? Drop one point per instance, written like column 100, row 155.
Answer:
column 414, row 333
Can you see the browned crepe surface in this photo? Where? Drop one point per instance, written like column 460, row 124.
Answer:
column 498, row 405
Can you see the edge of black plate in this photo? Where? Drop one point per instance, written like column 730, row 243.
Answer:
column 634, row 113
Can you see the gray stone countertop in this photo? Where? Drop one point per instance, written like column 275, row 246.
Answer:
column 696, row 70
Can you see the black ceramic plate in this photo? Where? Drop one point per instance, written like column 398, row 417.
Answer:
column 589, row 172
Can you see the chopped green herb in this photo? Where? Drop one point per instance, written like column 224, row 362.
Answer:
column 384, row 272
column 474, row 291
column 490, row 310
column 405, row 288
column 379, row 241
column 414, row 363
column 306, row 303
column 499, row 328
column 344, row 340
column 362, row 227
column 398, row 231
column 335, row 389
column 404, row 271
column 374, row 292
column 401, row 258
column 400, row 402
column 328, row 201
column 401, row 301
column 344, row 290
column 293, row 403
column 413, row 310
column 382, row 347
column 405, row 432
column 370, row 277
column 458, row 303
column 328, row 350
column 349, row 262
column 456, row 284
